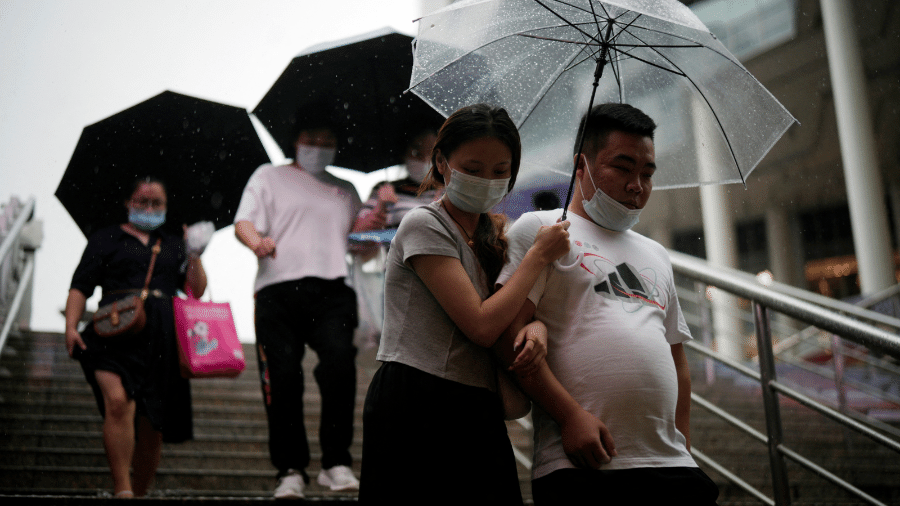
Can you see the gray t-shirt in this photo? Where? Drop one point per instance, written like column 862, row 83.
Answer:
column 417, row 331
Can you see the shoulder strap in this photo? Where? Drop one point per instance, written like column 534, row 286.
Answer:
column 155, row 249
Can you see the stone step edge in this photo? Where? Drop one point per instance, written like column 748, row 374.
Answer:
column 201, row 437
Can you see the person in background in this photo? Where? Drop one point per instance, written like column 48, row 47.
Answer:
column 136, row 378
column 396, row 198
column 404, row 194
column 433, row 428
column 612, row 422
column 296, row 219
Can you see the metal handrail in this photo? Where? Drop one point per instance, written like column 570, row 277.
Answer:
column 737, row 283
column 24, row 215
column 6, row 248
column 27, row 274
column 765, row 299
column 839, row 306
column 870, row 300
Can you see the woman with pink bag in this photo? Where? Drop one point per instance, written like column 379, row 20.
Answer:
column 135, row 377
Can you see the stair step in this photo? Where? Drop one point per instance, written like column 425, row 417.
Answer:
column 50, row 439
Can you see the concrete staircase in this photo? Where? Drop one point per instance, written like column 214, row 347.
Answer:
column 51, row 443
column 51, row 450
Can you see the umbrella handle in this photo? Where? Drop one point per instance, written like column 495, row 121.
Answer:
column 569, row 261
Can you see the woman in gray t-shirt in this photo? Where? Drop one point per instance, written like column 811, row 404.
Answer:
column 432, row 419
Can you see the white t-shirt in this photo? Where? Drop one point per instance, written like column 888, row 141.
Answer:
column 417, row 331
column 308, row 217
column 612, row 314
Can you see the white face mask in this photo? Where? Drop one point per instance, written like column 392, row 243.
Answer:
column 417, row 169
column 314, row 159
column 474, row 194
column 606, row 211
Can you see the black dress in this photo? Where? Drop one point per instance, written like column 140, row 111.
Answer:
column 147, row 362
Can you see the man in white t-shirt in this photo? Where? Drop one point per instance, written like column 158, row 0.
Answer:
column 296, row 218
column 612, row 420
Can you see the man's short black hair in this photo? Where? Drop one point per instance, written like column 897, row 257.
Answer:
column 609, row 117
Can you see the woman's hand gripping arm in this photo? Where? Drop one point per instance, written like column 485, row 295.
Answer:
column 483, row 321
column 586, row 440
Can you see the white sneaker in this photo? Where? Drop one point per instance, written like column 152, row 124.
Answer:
column 338, row 478
column 290, row 486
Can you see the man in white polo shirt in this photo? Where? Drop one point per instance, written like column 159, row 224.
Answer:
column 296, row 219
column 612, row 422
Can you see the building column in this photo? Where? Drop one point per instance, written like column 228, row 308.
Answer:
column 721, row 251
column 865, row 189
column 779, row 242
column 660, row 225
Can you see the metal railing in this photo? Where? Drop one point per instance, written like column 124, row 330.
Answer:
column 16, row 264
column 782, row 301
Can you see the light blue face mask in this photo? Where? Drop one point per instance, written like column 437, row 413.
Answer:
column 606, row 211
column 146, row 220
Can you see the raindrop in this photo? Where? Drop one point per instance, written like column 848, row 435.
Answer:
column 216, row 200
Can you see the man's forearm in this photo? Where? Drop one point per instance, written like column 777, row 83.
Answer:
column 246, row 233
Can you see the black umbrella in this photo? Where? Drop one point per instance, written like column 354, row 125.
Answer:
column 356, row 85
column 203, row 151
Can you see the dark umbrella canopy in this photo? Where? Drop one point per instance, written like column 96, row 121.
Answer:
column 356, row 87
column 203, row 151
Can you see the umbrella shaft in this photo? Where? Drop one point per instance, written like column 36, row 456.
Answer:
column 604, row 52
column 598, row 73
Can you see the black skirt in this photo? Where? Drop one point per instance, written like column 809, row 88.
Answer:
column 431, row 440
column 148, row 365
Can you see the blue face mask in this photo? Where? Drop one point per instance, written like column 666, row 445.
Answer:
column 146, row 220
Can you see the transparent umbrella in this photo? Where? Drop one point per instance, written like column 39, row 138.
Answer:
column 547, row 61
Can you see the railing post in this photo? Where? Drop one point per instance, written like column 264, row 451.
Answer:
column 703, row 306
column 780, row 484
column 838, row 360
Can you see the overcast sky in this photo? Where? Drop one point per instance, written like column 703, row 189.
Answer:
column 65, row 65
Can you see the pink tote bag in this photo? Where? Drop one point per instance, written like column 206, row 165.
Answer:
column 208, row 346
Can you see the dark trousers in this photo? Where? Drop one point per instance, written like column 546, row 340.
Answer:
column 650, row 486
column 290, row 315
column 429, row 440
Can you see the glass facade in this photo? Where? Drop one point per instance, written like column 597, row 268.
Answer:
column 748, row 28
